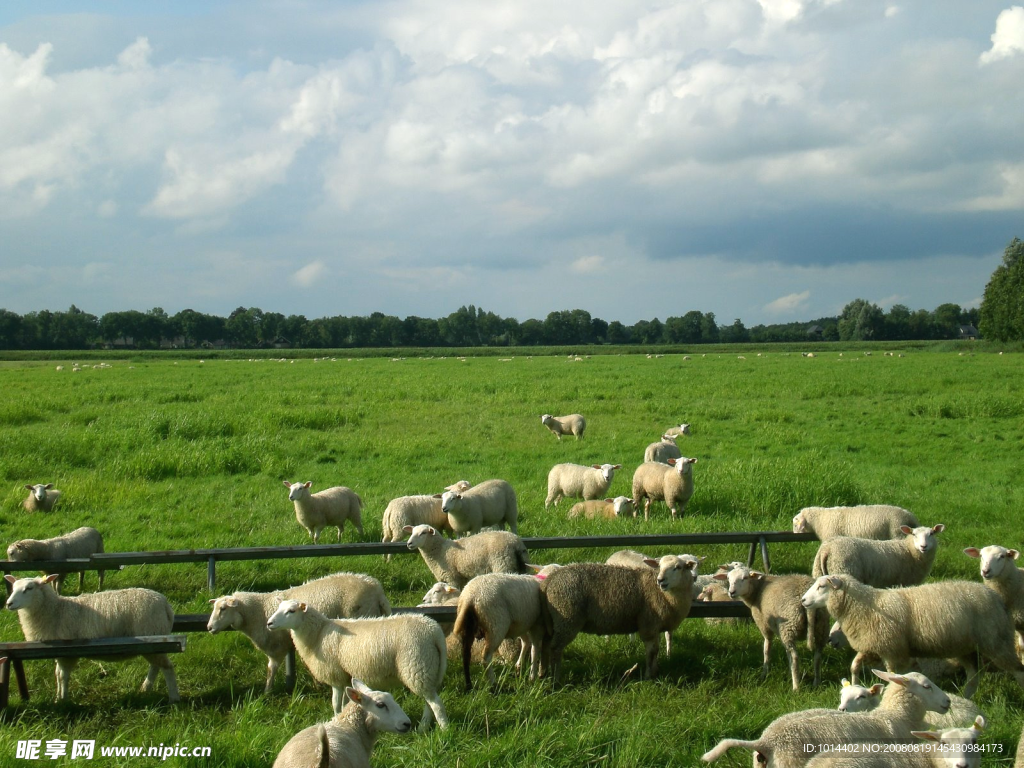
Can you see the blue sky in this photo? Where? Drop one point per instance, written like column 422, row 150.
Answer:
column 763, row 159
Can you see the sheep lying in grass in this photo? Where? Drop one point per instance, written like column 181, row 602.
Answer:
column 857, row 698
column 868, row 521
column 682, row 429
column 944, row 619
column 614, row 600
column 406, row 649
column 949, row 748
column 45, row 615
column 900, row 562
column 340, row 595
column 784, row 743
column 41, row 498
column 1003, row 577
column 329, row 507
column 492, row 503
column 663, row 450
column 456, row 562
column 347, row 740
column 654, row 481
column 573, row 424
column 775, row 606
column 606, row 509
column 575, row 481
column 80, row 543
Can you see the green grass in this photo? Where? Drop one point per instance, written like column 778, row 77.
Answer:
column 161, row 453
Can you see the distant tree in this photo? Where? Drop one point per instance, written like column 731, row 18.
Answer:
column 1001, row 315
column 617, row 333
column 861, row 321
column 946, row 321
column 11, row 325
column 531, row 332
column 709, row 333
column 735, row 333
column 897, row 322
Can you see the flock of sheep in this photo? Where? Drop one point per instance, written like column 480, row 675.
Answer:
column 867, row 575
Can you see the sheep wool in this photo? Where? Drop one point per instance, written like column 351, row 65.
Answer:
column 1000, row 574
column 491, row 503
column 868, row 521
column 329, row 507
column 663, row 450
column 80, row 543
column 605, row 509
column 456, row 562
column 671, row 483
column 901, row 562
column 41, row 498
column 573, row 424
column 578, row 481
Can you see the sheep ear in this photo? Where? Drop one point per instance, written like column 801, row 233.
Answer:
column 979, row 723
column 596, row 466
column 691, row 461
column 286, row 484
column 610, row 501
column 906, row 529
column 308, row 483
column 835, row 582
column 927, row 735
column 212, row 600
column 938, row 528
column 616, row 466
column 756, row 575
column 438, row 496
column 48, row 486
column 1013, row 553
column 407, row 528
column 30, row 487
column 846, row 683
column 972, row 552
column 302, row 607
column 10, row 579
column 535, row 568
column 448, row 589
column 672, row 462
column 721, row 577
column 354, row 695
column 51, row 578
column 360, row 686
column 652, row 563
column 876, row 689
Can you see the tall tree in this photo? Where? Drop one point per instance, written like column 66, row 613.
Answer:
column 1001, row 315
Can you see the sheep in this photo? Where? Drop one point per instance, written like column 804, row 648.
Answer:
column 606, row 509
column 950, row 748
column 45, row 615
column 576, row 481
column 613, row 600
column 933, row 669
column 41, row 498
column 417, row 510
column 663, row 450
column 682, row 429
column 857, row 698
column 948, row 618
column 80, row 543
column 790, row 740
column 1006, row 580
column 491, row 503
column 774, row 603
column 891, row 563
column 331, row 506
column 407, row 649
column 867, row 521
column 445, row 594
column 441, row 593
column 340, row 595
column 456, row 562
column 348, row 739
column 573, row 424
column 655, row 481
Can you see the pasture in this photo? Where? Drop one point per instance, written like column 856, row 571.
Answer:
column 162, row 454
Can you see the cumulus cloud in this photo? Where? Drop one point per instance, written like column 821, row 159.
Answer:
column 1008, row 39
column 588, row 264
column 791, row 303
column 310, row 274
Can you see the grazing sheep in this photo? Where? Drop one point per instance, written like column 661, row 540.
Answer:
column 45, row 615
column 784, row 743
column 348, row 739
column 41, row 498
column 614, row 600
column 80, row 543
column 405, row 649
column 417, row 510
column 774, row 603
column 682, row 429
column 857, row 698
column 867, row 521
column 573, row 481
column 891, row 563
column 663, row 451
column 949, row 748
column 943, row 619
column 1006, row 580
column 607, row 509
column 456, row 562
column 340, row 595
column 573, row 424
column 654, row 481
column 329, row 507
column 492, row 503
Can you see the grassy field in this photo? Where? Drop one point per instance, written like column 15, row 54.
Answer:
column 169, row 454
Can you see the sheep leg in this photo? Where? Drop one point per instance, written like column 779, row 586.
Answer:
column 970, row 665
column 101, row 574
column 536, row 644
column 767, row 654
column 652, row 646
column 794, row 669
column 272, row 665
column 434, row 708
column 817, row 667
column 81, row 581
column 858, row 660
column 524, row 646
column 647, row 508
column 668, row 643
column 672, row 509
column 337, row 698
column 63, row 673
column 172, row 683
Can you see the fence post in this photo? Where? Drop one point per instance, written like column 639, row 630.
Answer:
column 752, row 554
column 289, row 671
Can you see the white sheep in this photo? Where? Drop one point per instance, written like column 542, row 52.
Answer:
column 41, row 498
column 417, row 510
column 329, row 507
column 933, row 669
column 891, row 563
column 671, row 483
column 442, row 593
column 491, row 503
column 607, row 509
column 663, row 450
column 406, row 649
column 574, row 481
column 456, row 562
column 1001, row 575
column 445, row 594
column 80, row 543
column 573, row 424
column 943, row 619
column 867, row 521
column 948, row 748
column 682, row 429
column 774, row 603
column 347, row 740
column 790, row 740
column 340, row 595
column 45, row 615
column 857, row 698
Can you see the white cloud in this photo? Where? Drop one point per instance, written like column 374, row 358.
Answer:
column 310, row 274
column 588, row 264
column 1008, row 39
column 891, row 11
column 136, row 55
column 791, row 303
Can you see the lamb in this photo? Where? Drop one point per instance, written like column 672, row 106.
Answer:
column 867, row 521
column 407, row 649
column 80, row 543
column 331, row 506
column 576, row 481
column 774, row 603
column 951, row 748
column 663, row 451
column 606, row 509
column 857, row 698
column 784, row 743
column 891, row 563
column 41, row 498
column 943, row 619
column 573, row 424
column 348, row 739
column 613, row 600
column 340, row 595
column 417, row 510
column 1006, row 580
column 682, row 429
column 456, row 562
column 45, row 615
column 491, row 503
column 655, row 481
